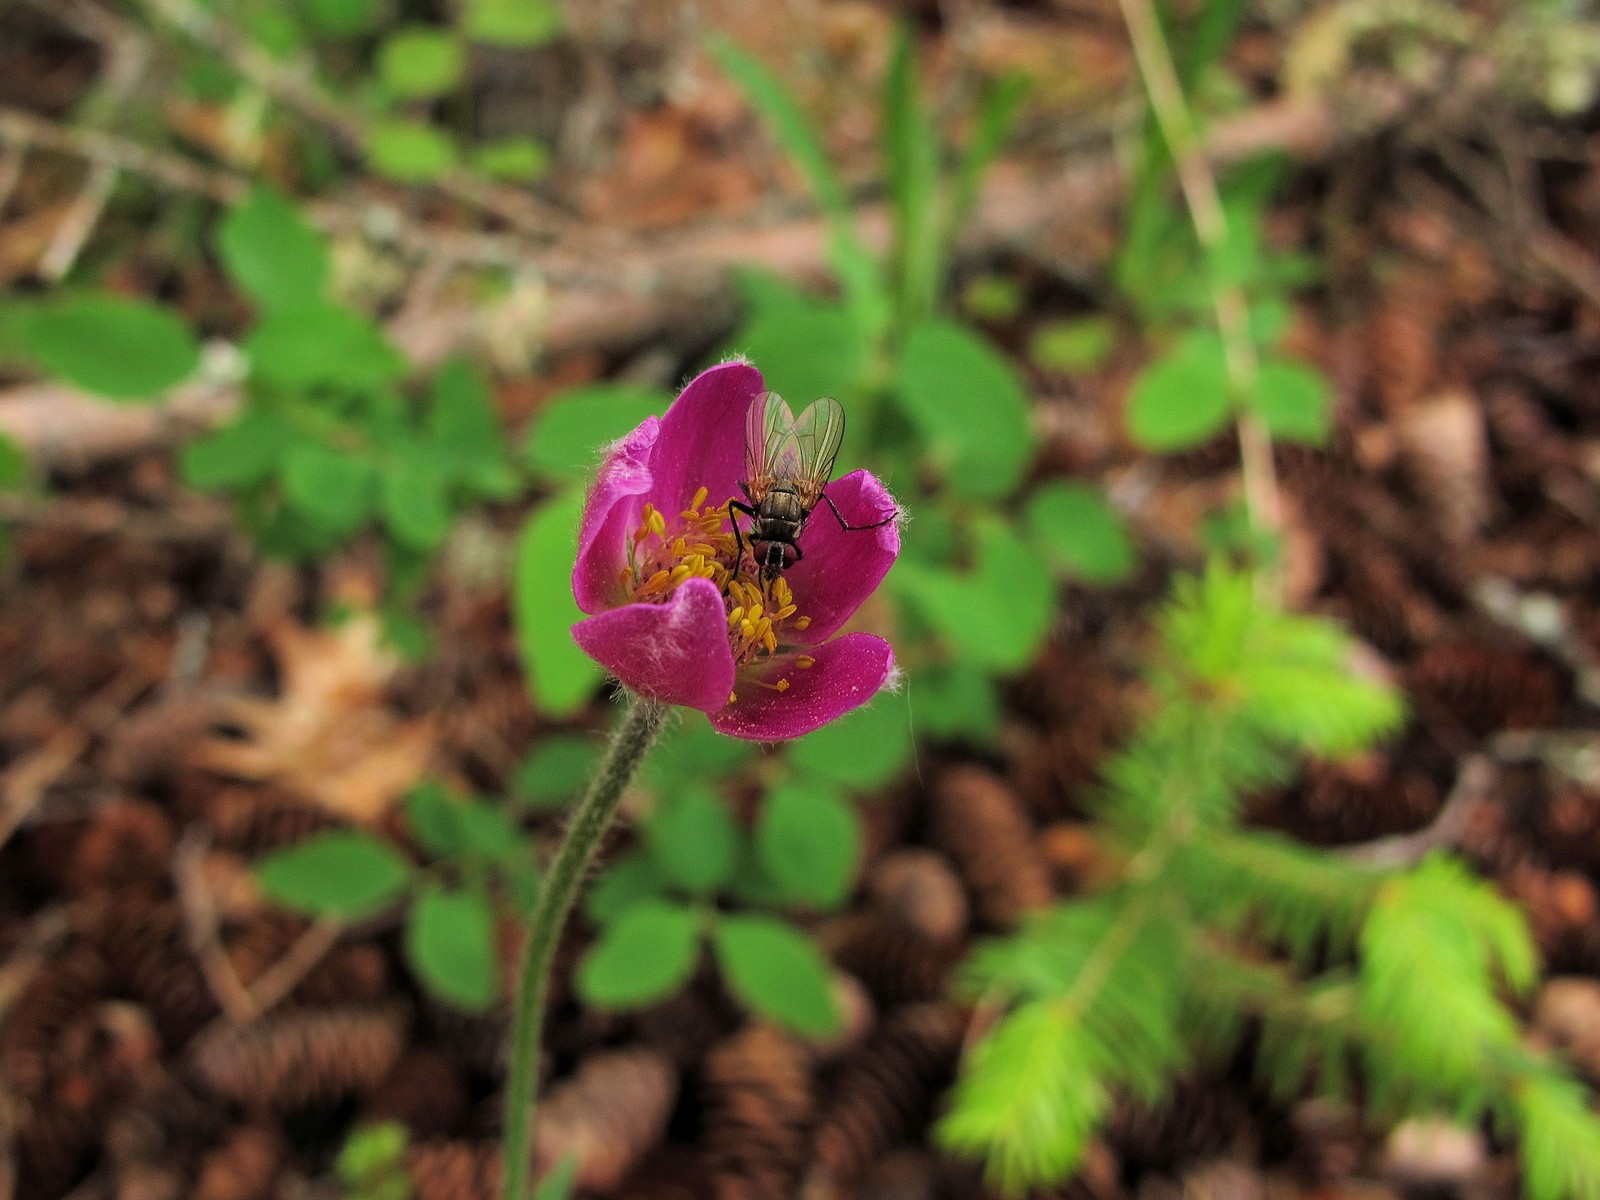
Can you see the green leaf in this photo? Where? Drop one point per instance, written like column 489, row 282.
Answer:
column 517, row 24
column 566, row 438
column 333, row 490
column 561, row 675
column 993, row 298
column 809, row 841
column 1295, row 401
column 777, row 972
column 995, row 616
column 555, row 771
column 340, row 18
column 344, row 873
column 693, row 752
column 516, row 160
column 560, row 1183
column 692, row 841
column 954, row 701
column 431, row 817
column 911, row 152
column 626, row 883
column 794, row 130
column 271, row 251
column 1182, row 398
column 489, row 832
column 863, row 749
column 463, row 426
column 1082, row 344
column 421, row 62
column 410, row 151
column 113, row 346
column 316, row 342
column 412, row 497
column 239, row 455
column 641, row 956
column 14, row 466
column 1077, row 530
column 806, row 348
column 966, row 400
column 450, row 944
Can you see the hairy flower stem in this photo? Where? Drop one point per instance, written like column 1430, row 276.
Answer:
column 640, row 726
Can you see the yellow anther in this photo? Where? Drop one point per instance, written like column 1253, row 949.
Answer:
column 802, row 623
column 770, row 641
column 782, row 685
column 735, row 616
column 625, row 576
column 784, row 613
column 805, row 662
column 747, row 627
column 699, row 498
column 679, row 574
column 733, row 697
column 755, row 611
column 658, row 524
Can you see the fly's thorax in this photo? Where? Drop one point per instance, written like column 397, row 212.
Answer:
column 782, row 504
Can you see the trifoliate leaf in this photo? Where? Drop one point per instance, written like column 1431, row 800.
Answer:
column 272, row 252
column 809, row 841
column 450, row 943
column 777, row 972
column 340, row 874
column 116, row 347
column 641, row 956
column 692, row 840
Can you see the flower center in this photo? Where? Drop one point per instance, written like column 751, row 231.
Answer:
column 699, row 541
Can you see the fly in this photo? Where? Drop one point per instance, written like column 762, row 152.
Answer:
column 788, row 461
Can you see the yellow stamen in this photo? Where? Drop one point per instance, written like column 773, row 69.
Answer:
column 699, row 498
column 805, row 662
column 802, row 623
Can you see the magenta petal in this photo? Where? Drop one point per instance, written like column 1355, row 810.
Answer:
column 841, row 568
column 610, row 515
column 847, row 673
column 677, row 652
column 702, row 438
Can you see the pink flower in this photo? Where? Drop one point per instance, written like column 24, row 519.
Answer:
column 674, row 617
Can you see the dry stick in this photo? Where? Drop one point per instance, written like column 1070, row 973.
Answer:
column 298, row 89
column 1199, row 187
column 1473, row 782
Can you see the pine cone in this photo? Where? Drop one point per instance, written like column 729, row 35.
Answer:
column 454, row 1171
column 147, row 949
column 256, row 821
column 289, row 1060
column 244, row 1167
column 1478, row 688
column 1197, row 1120
column 759, row 1104
column 609, row 1114
column 885, row 1091
column 424, row 1091
column 919, row 890
column 979, row 823
column 124, row 846
column 896, row 965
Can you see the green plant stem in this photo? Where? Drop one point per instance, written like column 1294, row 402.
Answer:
column 1204, row 202
column 641, row 724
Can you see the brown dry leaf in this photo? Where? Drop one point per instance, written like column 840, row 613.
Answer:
column 330, row 737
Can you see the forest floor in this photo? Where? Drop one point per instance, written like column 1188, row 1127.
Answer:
column 171, row 708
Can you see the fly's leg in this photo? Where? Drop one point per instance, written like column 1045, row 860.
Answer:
column 733, row 507
column 849, row 528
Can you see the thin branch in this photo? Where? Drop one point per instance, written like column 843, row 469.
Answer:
column 296, row 87
column 1473, row 783
column 1199, row 186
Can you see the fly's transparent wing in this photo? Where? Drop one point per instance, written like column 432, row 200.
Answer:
column 769, row 443
column 817, row 434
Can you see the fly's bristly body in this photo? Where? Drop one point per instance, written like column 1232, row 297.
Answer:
column 788, row 461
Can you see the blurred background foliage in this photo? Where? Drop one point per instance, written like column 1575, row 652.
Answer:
column 340, row 217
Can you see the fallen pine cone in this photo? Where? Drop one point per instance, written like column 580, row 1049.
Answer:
column 288, row 1060
column 759, row 1104
column 609, row 1115
column 979, row 822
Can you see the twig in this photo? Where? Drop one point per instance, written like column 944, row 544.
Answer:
column 200, row 925
column 1473, row 781
column 240, row 1003
column 1199, row 186
column 1540, row 618
column 297, row 88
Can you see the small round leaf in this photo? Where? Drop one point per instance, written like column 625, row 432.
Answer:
column 809, row 841
column 118, row 348
column 450, row 943
column 344, row 873
column 641, row 956
column 777, row 972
